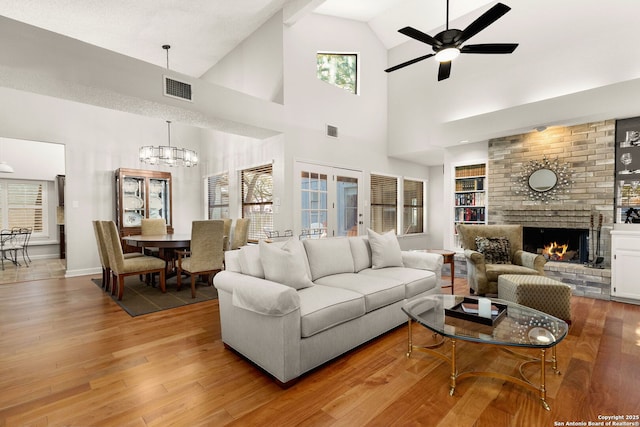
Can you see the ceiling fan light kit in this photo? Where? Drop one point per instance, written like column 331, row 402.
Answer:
column 448, row 44
column 447, row 54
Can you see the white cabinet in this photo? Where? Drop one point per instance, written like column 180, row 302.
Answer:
column 625, row 264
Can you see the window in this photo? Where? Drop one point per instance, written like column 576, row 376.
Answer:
column 24, row 204
column 384, row 203
column 257, row 200
column 314, row 196
column 338, row 69
column 413, row 210
column 218, row 196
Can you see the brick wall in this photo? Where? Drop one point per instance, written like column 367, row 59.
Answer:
column 589, row 150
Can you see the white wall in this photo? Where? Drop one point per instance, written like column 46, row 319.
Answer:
column 255, row 66
column 311, row 104
column 97, row 141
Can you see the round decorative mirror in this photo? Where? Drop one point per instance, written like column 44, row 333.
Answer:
column 543, row 180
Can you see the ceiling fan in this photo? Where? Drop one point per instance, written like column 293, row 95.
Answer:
column 447, row 44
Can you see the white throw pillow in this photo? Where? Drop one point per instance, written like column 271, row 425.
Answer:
column 286, row 264
column 385, row 249
column 249, row 257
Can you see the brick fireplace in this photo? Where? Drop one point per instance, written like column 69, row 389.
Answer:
column 589, row 150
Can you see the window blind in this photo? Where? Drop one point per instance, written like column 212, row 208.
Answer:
column 218, row 196
column 25, row 203
column 413, row 206
column 257, row 200
column 384, row 203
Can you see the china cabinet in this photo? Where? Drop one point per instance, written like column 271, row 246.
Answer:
column 142, row 194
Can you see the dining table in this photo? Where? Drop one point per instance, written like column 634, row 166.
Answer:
column 166, row 243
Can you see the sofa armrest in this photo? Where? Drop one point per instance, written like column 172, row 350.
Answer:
column 423, row 261
column 258, row 295
column 530, row 260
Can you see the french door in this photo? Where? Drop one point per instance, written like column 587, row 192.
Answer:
column 329, row 201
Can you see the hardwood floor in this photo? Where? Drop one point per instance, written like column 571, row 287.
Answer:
column 70, row 356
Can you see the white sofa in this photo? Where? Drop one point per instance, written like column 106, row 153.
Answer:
column 353, row 295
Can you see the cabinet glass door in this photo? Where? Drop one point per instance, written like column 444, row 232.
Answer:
column 133, row 201
column 159, row 199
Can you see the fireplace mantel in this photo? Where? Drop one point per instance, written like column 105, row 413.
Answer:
column 551, row 216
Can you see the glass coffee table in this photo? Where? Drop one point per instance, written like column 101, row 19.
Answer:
column 518, row 326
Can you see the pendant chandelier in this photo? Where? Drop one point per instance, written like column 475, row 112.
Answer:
column 167, row 154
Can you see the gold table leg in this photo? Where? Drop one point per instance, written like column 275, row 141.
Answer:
column 454, row 374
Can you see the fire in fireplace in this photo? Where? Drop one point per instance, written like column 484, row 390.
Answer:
column 558, row 244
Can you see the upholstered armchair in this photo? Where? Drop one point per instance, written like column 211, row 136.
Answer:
column 492, row 250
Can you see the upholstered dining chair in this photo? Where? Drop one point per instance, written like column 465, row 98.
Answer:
column 153, row 227
column 122, row 267
column 227, row 233
column 240, row 233
column 104, row 256
column 492, row 250
column 206, row 254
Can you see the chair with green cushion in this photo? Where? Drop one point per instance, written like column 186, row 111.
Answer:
column 492, row 250
column 122, row 267
column 206, row 254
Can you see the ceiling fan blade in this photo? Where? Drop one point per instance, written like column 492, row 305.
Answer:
column 489, row 48
column 444, row 70
column 486, row 19
column 419, row 35
column 404, row 64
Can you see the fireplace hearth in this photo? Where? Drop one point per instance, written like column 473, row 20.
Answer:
column 558, row 244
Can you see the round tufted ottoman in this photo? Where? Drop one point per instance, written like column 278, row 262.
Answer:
column 538, row 292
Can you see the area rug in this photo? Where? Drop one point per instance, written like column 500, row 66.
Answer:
column 139, row 298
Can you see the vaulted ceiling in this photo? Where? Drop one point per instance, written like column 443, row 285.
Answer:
column 577, row 60
column 201, row 32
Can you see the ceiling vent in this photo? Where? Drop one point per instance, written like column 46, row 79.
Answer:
column 332, row 131
column 177, row 89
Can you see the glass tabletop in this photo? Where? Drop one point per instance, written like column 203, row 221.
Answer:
column 520, row 326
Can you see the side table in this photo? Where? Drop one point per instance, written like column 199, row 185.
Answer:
column 448, row 259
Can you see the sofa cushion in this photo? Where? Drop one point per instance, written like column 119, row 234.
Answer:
column 286, row 265
column 415, row 281
column 328, row 256
column 495, row 249
column 322, row 307
column 378, row 291
column 385, row 249
column 249, row 257
column 361, row 252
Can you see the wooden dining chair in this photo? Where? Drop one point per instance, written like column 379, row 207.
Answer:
column 206, row 254
column 104, row 256
column 240, row 233
column 122, row 267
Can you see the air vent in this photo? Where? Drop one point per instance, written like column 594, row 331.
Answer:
column 332, row 131
column 177, row 89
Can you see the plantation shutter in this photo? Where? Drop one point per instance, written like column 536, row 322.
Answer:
column 25, row 201
column 384, row 203
column 257, row 200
